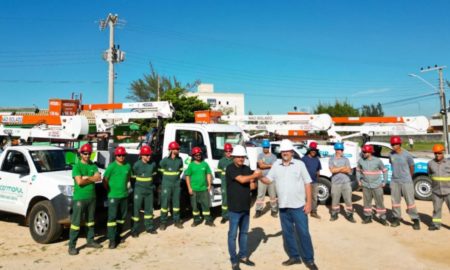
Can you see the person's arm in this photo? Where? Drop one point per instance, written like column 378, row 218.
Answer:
column 358, row 173
column 410, row 161
column 263, row 166
column 243, row 179
column 308, row 189
column 267, row 180
column 208, row 176
column 188, row 184
column 385, row 173
column 333, row 169
column 106, row 178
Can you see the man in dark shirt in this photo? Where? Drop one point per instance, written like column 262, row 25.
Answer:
column 312, row 163
column 240, row 180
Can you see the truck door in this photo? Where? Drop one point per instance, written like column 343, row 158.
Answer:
column 14, row 182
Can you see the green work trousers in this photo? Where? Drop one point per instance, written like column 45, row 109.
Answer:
column 117, row 213
column 223, row 188
column 143, row 195
column 82, row 210
column 170, row 193
column 201, row 198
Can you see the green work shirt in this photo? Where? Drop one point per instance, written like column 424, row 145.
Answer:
column 87, row 191
column 171, row 169
column 198, row 173
column 144, row 172
column 222, row 166
column 118, row 176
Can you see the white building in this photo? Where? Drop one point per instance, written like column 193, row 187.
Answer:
column 220, row 101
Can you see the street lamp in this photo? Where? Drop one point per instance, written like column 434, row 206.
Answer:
column 441, row 94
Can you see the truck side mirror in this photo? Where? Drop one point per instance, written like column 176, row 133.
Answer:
column 21, row 169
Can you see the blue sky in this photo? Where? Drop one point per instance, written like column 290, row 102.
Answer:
column 281, row 54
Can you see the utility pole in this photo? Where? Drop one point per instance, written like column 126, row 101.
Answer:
column 443, row 110
column 113, row 54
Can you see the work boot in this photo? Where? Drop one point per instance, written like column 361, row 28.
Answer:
column 210, row 223
column 179, row 224
column 235, row 267
column 416, row 225
column 258, row 214
column 134, row 235
column 315, row 215
column 93, row 244
column 73, row 251
column 196, row 223
column 350, row 218
column 311, row 266
column 162, row 227
column 223, row 220
column 384, row 222
column 434, row 227
column 152, row 231
column 292, row 261
column 367, row 220
column 112, row 245
column 274, row 214
column 395, row 222
column 246, row 261
column 334, row 217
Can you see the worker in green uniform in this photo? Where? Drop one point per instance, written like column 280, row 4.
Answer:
column 143, row 172
column 171, row 168
column 198, row 181
column 115, row 180
column 85, row 174
column 221, row 169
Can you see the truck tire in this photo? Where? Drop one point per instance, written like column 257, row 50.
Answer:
column 324, row 190
column 44, row 227
column 422, row 188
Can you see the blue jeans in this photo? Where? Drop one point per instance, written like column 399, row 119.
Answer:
column 241, row 221
column 294, row 220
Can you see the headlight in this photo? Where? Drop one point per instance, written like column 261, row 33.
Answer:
column 66, row 190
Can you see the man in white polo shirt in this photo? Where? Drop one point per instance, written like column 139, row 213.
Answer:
column 293, row 185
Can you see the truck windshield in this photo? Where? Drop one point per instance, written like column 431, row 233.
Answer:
column 49, row 160
column 218, row 140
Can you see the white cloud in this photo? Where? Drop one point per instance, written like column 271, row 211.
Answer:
column 371, row 91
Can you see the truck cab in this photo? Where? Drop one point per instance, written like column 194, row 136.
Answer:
column 36, row 183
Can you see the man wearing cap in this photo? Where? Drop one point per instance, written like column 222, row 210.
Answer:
column 240, row 180
column 265, row 161
column 171, row 168
column 295, row 200
column 372, row 175
column 85, row 174
column 340, row 183
column 115, row 180
column 198, row 180
column 143, row 171
column 221, row 169
column 439, row 171
column 312, row 163
column 401, row 183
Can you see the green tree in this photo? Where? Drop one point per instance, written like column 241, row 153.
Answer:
column 184, row 106
column 170, row 89
column 146, row 89
column 372, row 110
column 339, row 108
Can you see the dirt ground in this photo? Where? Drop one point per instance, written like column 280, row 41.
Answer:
column 337, row 245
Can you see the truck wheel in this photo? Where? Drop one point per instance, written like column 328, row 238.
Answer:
column 44, row 227
column 422, row 188
column 324, row 190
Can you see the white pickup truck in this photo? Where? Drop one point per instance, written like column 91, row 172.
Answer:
column 36, row 183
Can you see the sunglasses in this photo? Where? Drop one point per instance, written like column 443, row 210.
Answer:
column 85, row 153
column 120, row 156
column 438, row 153
column 145, row 155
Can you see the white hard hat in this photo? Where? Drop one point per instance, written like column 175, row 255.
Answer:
column 286, row 145
column 239, row 151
